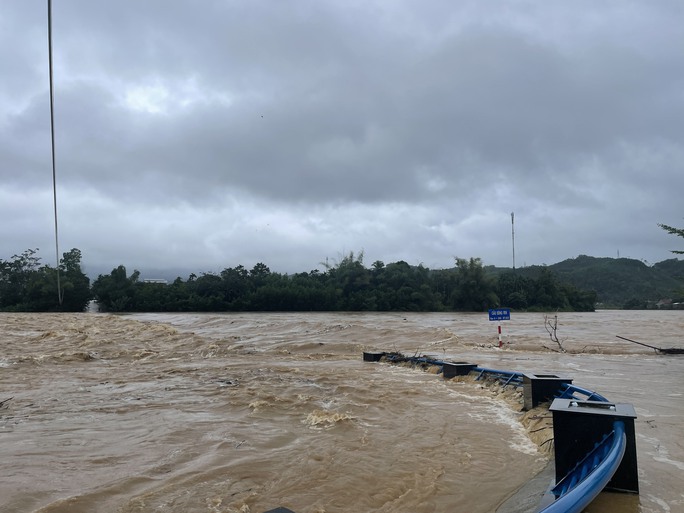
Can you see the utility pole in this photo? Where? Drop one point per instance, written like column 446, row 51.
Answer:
column 513, row 236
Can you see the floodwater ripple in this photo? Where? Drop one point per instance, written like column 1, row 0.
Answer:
column 245, row 412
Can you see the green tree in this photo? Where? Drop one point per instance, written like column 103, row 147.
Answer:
column 674, row 231
column 116, row 291
column 548, row 293
column 154, row 297
column 236, row 285
column 513, row 290
column 474, row 289
column 27, row 286
column 208, row 294
column 444, row 283
column 352, row 280
column 75, row 284
column 579, row 300
column 15, row 278
column 401, row 287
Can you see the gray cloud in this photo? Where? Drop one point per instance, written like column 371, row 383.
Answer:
column 231, row 133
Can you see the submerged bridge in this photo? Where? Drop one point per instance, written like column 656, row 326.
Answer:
column 594, row 438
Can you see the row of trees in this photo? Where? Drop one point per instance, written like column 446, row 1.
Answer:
column 346, row 286
column 28, row 286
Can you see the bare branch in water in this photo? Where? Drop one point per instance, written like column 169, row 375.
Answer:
column 551, row 326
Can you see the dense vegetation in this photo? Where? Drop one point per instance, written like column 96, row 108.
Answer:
column 575, row 284
column 619, row 282
column 26, row 286
column 347, row 286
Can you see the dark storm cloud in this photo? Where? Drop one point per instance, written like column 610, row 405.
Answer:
column 191, row 113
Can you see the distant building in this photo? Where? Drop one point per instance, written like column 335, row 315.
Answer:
column 156, row 280
column 664, row 303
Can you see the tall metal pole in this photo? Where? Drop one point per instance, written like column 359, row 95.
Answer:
column 60, row 293
column 513, row 236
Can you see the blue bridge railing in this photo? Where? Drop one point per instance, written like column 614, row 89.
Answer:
column 590, row 475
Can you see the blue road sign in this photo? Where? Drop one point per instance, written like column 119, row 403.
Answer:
column 499, row 314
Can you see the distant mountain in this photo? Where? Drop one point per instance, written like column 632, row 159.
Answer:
column 618, row 281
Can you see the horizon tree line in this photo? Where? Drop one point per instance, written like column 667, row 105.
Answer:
column 346, row 285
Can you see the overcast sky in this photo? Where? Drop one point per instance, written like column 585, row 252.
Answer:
column 200, row 135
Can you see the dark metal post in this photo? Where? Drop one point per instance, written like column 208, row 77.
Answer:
column 539, row 388
column 453, row 369
column 579, row 425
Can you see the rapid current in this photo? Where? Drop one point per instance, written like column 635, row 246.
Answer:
column 244, row 412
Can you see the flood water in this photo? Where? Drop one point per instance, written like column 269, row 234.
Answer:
column 245, row 412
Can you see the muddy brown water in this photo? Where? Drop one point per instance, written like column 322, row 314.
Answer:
column 246, row 412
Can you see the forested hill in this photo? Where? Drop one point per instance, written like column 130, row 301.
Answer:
column 619, row 282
